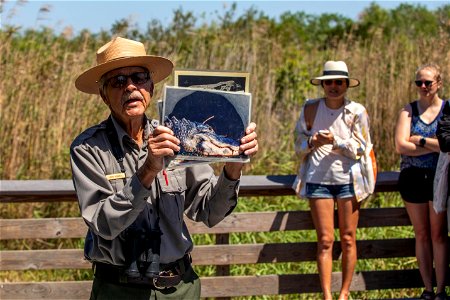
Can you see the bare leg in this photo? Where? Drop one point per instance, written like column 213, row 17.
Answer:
column 438, row 225
column 348, row 212
column 418, row 214
column 322, row 211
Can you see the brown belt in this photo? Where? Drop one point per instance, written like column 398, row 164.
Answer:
column 170, row 275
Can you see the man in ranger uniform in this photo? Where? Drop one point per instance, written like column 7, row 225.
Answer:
column 137, row 240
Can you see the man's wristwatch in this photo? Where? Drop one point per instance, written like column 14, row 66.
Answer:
column 422, row 141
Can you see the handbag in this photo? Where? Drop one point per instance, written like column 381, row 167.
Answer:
column 369, row 169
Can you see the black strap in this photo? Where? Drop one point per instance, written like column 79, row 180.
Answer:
column 115, row 145
column 117, row 275
column 335, row 72
column 415, row 109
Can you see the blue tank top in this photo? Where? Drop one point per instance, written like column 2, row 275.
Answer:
column 419, row 127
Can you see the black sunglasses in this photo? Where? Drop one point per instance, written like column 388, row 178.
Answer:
column 427, row 83
column 336, row 81
column 120, row 81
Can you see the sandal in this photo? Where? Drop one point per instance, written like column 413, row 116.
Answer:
column 441, row 296
column 427, row 295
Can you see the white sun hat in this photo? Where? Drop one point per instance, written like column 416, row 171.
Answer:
column 335, row 70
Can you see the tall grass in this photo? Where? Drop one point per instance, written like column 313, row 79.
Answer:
column 42, row 112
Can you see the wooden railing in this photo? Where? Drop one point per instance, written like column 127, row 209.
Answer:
column 223, row 254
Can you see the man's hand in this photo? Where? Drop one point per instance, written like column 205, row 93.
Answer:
column 161, row 143
column 249, row 146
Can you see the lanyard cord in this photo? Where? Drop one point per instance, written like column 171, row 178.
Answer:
column 156, row 202
column 153, row 253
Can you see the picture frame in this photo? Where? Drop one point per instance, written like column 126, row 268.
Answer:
column 232, row 81
column 208, row 122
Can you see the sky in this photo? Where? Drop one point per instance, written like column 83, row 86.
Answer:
column 101, row 15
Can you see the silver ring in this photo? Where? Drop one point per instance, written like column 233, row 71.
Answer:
column 155, row 123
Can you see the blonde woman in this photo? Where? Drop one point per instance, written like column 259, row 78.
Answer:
column 415, row 140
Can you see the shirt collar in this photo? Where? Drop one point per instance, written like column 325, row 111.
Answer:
column 121, row 133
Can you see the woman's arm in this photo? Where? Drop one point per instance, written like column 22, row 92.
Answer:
column 405, row 143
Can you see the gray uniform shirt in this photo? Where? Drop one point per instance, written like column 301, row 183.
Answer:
column 109, row 206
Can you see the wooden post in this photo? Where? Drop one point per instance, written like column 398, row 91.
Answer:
column 223, row 239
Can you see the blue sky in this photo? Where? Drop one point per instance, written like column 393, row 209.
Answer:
column 98, row 15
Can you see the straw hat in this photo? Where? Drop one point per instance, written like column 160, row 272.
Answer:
column 121, row 52
column 335, row 70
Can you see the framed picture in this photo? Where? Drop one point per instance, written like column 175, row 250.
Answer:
column 208, row 122
column 218, row 80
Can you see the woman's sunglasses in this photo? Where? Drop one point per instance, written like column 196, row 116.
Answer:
column 336, row 81
column 120, row 81
column 427, row 83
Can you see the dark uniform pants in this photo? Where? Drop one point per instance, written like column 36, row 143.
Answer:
column 188, row 288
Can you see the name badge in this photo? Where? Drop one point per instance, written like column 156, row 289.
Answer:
column 115, row 176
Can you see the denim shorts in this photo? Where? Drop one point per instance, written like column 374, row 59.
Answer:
column 328, row 191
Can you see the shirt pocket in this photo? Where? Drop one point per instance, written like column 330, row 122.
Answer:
column 173, row 191
column 173, row 182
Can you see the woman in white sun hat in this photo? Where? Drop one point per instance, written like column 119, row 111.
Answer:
column 332, row 138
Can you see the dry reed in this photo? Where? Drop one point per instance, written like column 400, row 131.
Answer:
column 42, row 111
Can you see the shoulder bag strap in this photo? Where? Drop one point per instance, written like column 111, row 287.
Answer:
column 310, row 113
